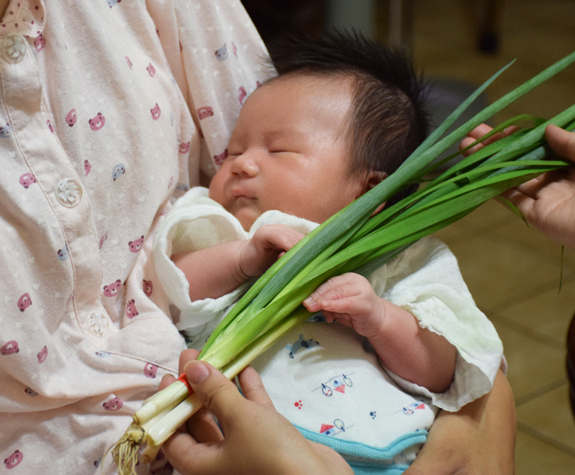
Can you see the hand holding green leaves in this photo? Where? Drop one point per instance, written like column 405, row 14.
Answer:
column 548, row 201
column 202, row 449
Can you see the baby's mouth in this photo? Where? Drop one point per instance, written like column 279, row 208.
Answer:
column 238, row 193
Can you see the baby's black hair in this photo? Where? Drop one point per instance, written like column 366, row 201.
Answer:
column 388, row 116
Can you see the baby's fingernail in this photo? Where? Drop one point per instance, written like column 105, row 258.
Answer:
column 196, row 372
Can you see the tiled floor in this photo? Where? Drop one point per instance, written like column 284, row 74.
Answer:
column 512, row 270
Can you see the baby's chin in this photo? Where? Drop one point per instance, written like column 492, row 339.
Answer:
column 246, row 218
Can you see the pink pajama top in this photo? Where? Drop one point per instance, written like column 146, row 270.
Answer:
column 108, row 110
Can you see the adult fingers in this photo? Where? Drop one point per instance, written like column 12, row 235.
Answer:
column 466, row 142
column 203, row 428
column 218, row 394
column 473, row 136
column 187, row 456
column 561, row 141
column 253, row 387
column 521, row 201
column 166, row 381
column 479, row 132
column 532, row 187
column 186, row 356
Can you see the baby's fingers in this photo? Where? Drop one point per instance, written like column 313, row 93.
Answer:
column 332, row 289
column 342, row 294
column 277, row 236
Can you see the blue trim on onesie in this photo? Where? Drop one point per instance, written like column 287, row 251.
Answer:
column 357, row 449
column 367, row 468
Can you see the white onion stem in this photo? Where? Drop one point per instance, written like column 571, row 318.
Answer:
column 167, row 425
column 170, row 396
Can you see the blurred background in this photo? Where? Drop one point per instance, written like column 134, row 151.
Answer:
column 512, row 271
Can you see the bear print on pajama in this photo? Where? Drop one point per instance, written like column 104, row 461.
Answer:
column 114, row 404
column 136, row 245
column 27, row 179
column 131, row 311
column 184, row 147
column 242, row 94
column 5, row 131
column 42, row 355
column 204, row 112
column 156, row 112
column 150, row 370
column 9, row 348
column 39, row 43
column 14, row 459
column 148, row 287
column 24, row 302
column 63, row 253
column 71, row 118
column 222, row 53
column 219, row 159
column 118, row 171
column 112, row 289
column 97, row 122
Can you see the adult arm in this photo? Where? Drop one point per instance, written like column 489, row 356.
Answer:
column 478, row 439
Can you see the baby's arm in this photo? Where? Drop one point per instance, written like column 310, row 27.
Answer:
column 413, row 353
column 217, row 270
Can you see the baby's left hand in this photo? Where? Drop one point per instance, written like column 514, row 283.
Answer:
column 350, row 300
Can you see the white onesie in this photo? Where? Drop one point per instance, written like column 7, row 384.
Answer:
column 326, row 379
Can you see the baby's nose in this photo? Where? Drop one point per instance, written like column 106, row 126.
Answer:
column 245, row 165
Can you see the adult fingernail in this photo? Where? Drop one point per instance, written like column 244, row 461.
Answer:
column 196, row 372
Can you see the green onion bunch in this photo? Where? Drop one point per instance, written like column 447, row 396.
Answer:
column 356, row 240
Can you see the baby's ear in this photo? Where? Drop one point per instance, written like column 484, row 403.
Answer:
column 374, row 178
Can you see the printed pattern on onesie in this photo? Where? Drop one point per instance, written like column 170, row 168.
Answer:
column 328, row 382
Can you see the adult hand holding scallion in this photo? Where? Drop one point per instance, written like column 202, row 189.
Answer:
column 548, row 201
column 257, row 440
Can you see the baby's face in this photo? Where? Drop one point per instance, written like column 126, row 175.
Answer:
column 288, row 152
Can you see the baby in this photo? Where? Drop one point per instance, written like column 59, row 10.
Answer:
column 341, row 116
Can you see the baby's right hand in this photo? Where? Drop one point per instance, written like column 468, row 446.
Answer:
column 267, row 245
column 350, row 300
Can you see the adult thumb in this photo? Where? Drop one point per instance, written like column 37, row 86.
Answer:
column 217, row 393
column 561, row 141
